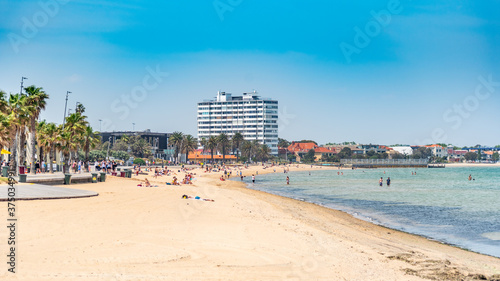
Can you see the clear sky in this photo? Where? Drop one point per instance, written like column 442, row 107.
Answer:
column 411, row 72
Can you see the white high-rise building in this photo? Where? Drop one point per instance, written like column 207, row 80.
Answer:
column 254, row 117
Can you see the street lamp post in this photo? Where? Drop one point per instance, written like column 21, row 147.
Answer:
column 22, row 80
column 65, row 107
column 100, row 127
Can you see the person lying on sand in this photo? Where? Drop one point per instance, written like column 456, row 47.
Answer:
column 175, row 182
column 146, row 184
column 196, row 198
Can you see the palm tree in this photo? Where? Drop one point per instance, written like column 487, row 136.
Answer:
column 18, row 115
column 5, row 127
column 264, row 152
column 80, row 108
column 237, row 139
column 212, row 145
column 176, row 140
column 90, row 140
column 190, row 144
column 36, row 100
column 40, row 135
column 72, row 135
column 223, row 143
column 49, row 140
column 246, row 149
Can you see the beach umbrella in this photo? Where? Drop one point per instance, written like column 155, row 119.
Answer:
column 5, row 151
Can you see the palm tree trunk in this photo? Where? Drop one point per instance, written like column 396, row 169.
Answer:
column 49, row 162
column 22, row 148
column 86, row 164
column 13, row 159
column 32, row 146
column 66, row 162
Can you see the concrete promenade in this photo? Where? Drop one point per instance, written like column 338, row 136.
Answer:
column 31, row 191
column 56, row 178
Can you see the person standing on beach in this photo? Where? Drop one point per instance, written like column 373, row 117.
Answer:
column 388, row 181
column 287, row 180
column 253, row 178
column 381, row 181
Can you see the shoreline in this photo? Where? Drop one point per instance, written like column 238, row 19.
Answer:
column 137, row 233
column 381, row 224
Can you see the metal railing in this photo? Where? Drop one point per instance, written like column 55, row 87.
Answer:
column 384, row 161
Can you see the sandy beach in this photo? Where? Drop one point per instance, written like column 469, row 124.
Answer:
column 138, row 233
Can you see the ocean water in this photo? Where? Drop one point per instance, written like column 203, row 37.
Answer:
column 440, row 204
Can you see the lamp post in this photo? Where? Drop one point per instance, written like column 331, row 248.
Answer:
column 100, row 127
column 133, row 127
column 22, row 80
column 65, row 107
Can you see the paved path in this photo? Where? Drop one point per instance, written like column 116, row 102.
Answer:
column 31, row 191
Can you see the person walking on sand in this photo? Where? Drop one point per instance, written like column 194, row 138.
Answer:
column 388, row 181
column 287, row 180
column 381, row 181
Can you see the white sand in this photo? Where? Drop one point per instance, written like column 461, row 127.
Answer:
column 137, row 233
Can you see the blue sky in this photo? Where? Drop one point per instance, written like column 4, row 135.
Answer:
column 413, row 72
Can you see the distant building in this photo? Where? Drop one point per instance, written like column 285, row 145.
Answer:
column 254, row 117
column 405, row 150
column 158, row 141
column 438, row 150
column 302, row 148
column 456, row 155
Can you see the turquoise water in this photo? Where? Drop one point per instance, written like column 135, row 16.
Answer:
column 441, row 204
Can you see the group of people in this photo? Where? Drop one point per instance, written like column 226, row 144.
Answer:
column 105, row 166
column 381, row 181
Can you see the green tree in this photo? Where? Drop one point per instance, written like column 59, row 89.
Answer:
column 422, row 153
column 212, row 145
column 264, row 152
column 176, row 140
column 283, row 143
column 495, row 156
column 18, row 116
column 48, row 139
column 122, row 155
column 72, row 136
column 90, row 140
column 397, row 155
column 190, row 144
column 309, row 156
column 470, row 156
column 236, row 140
column 36, row 101
column 139, row 161
column 223, row 144
column 345, row 153
column 140, row 147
